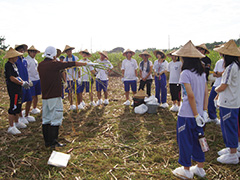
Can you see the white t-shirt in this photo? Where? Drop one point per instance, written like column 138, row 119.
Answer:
column 144, row 71
column 175, row 69
column 129, row 67
column 85, row 70
column 72, row 73
column 229, row 98
column 218, row 68
column 32, row 65
column 160, row 67
column 101, row 73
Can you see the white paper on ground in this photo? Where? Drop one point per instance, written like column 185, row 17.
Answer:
column 58, row 159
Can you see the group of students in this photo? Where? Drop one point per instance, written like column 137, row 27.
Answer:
column 187, row 75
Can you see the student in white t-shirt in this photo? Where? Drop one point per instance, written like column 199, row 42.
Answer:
column 174, row 68
column 160, row 70
column 229, row 102
column 102, row 77
column 129, row 73
column 72, row 75
column 32, row 65
column 86, row 81
column 217, row 72
column 145, row 69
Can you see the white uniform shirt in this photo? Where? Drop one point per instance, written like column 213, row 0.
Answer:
column 144, row 71
column 72, row 73
column 175, row 69
column 32, row 65
column 229, row 98
column 129, row 67
column 101, row 73
column 85, row 70
column 218, row 68
column 160, row 67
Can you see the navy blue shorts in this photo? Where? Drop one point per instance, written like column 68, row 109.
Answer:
column 36, row 88
column 133, row 85
column 85, row 85
column 26, row 95
column 101, row 85
column 71, row 87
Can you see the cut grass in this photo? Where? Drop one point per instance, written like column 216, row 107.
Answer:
column 109, row 142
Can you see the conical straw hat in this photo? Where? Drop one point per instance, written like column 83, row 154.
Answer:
column 86, row 52
column 24, row 47
column 67, row 47
column 128, row 50
column 170, row 53
column 32, row 48
column 11, row 53
column 140, row 94
column 104, row 53
column 159, row 51
column 145, row 53
column 59, row 52
column 203, row 46
column 230, row 48
column 188, row 50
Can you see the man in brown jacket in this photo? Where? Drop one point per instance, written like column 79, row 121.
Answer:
column 52, row 107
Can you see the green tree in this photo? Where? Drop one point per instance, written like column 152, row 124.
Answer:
column 2, row 44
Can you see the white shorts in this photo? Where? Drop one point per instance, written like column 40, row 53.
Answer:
column 52, row 111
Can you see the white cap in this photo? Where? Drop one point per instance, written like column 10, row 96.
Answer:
column 50, row 52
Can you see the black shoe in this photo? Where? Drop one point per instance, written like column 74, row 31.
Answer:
column 54, row 136
column 46, row 134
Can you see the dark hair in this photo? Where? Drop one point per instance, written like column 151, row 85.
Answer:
column 230, row 59
column 161, row 54
column 193, row 64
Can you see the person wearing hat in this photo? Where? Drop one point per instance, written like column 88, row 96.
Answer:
column 160, row 70
column 206, row 60
column 174, row 69
column 32, row 65
column 228, row 100
column 72, row 74
column 192, row 113
column 129, row 73
column 26, row 93
column 217, row 72
column 52, row 108
column 86, row 81
column 102, row 77
column 145, row 67
column 14, row 88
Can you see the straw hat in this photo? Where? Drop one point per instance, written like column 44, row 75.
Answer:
column 203, row 46
column 230, row 48
column 170, row 53
column 67, row 47
column 140, row 94
column 11, row 53
column 145, row 53
column 188, row 50
column 86, row 52
column 127, row 51
column 25, row 47
column 59, row 52
column 159, row 51
column 32, row 48
column 104, row 53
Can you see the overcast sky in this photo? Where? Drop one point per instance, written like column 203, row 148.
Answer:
column 106, row 24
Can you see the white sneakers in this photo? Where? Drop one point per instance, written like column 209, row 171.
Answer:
column 106, row 102
column 174, row 108
column 23, row 120
column 80, row 106
column 13, row 130
column 92, row 103
column 164, row 105
column 30, row 118
column 228, row 158
column 72, row 107
column 198, row 171
column 99, row 102
column 20, row 125
column 127, row 103
column 216, row 120
column 35, row 111
column 182, row 173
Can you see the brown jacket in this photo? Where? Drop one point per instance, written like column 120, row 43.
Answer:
column 50, row 77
